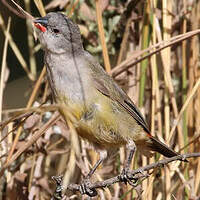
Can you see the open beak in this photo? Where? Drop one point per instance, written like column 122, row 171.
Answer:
column 41, row 24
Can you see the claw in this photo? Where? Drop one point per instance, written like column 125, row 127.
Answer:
column 85, row 188
column 125, row 177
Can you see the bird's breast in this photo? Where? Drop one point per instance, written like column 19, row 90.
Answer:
column 68, row 78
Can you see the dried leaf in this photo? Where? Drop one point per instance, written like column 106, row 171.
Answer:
column 87, row 13
column 31, row 121
column 56, row 3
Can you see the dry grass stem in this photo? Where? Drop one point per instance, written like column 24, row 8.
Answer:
column 152, row 50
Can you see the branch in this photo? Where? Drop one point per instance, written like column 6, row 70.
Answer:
column 138, row 57
column 135, row 174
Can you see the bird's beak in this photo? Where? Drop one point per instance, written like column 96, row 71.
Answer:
column 41, row 24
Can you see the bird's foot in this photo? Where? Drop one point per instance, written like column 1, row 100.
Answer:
column 126, row 177
column 85, row 188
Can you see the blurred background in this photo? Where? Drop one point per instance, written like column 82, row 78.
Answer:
column 129, row 39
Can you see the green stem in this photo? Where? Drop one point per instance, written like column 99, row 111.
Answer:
column 146, row 35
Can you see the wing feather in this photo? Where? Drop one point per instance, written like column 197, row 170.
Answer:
column 112, row 91
column 107, row 86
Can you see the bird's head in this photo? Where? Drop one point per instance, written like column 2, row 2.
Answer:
column 58, row 34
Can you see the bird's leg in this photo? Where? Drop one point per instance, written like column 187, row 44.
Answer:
column 86, row 184
column 124, row 176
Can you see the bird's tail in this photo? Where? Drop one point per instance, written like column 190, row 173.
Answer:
column 161, row 148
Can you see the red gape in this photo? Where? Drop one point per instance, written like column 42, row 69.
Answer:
column 39, row 26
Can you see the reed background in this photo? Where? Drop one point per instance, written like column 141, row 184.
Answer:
column 164, row 85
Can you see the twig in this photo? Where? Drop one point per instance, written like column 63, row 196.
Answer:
column 34, row 138
column 137, row 174
column 102, row 36
column 22, row 13
column 3, row 68
column 15, row 49
column 136, row 58
column 186, row 103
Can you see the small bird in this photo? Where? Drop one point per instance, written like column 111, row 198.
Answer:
column 105, row 115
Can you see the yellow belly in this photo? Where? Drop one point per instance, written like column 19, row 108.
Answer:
column 103, row 122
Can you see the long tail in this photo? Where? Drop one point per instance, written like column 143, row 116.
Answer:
column 162, row 148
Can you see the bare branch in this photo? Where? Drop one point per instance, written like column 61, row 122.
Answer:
column 137, row 174
column 136, row 58
column 21, row 12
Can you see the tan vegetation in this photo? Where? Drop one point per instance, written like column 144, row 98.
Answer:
column 152, row 50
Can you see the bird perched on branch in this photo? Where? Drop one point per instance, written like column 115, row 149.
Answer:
column 103, row 113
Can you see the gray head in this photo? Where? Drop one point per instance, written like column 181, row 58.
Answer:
column 58, row 34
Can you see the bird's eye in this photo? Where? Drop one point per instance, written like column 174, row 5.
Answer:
column 56, row 30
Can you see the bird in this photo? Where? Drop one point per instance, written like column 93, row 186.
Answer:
column 104, row 114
